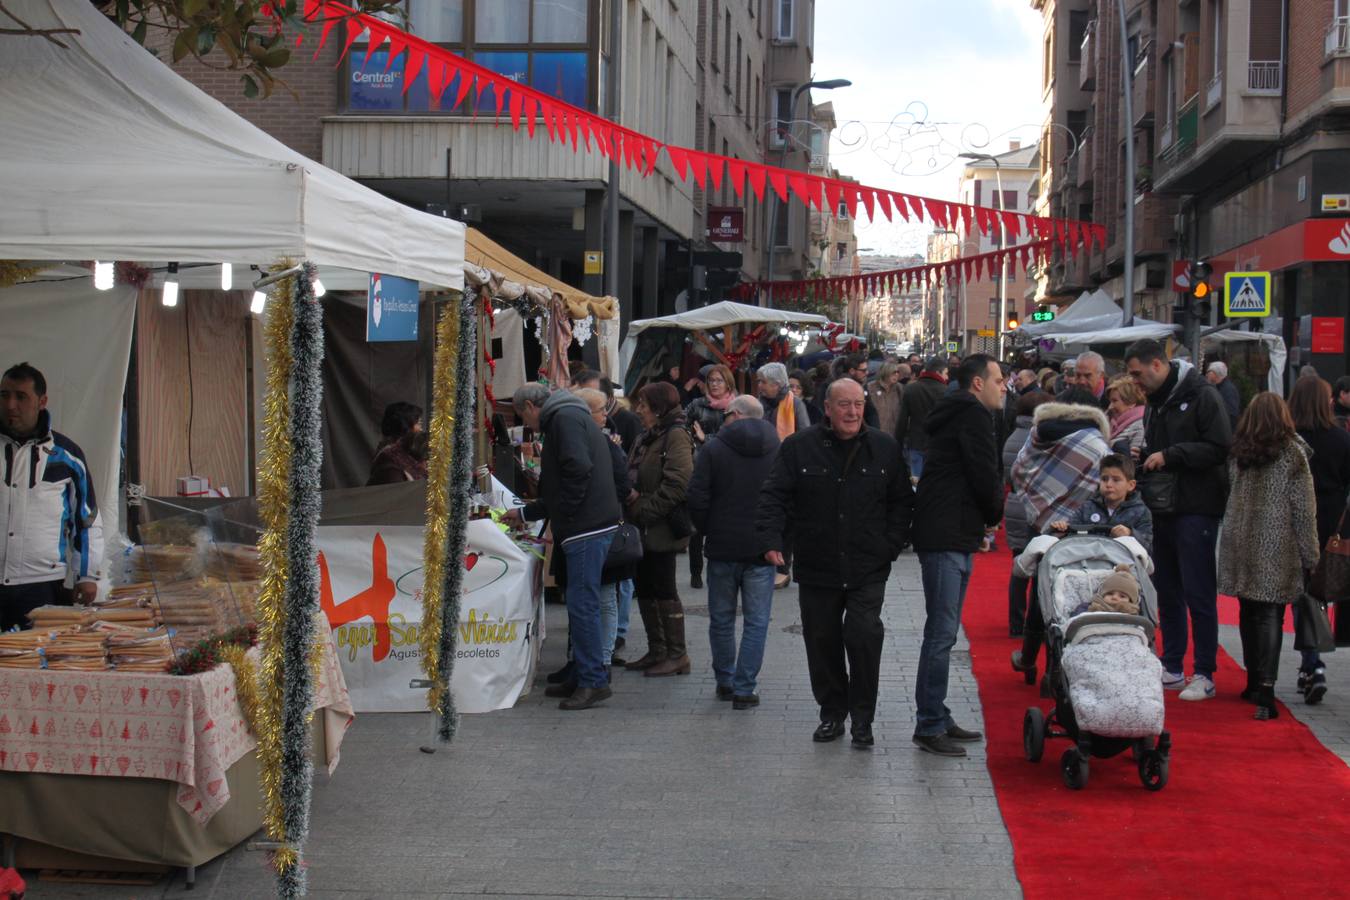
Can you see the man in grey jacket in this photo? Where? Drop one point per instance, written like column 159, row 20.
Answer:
column 576, row 494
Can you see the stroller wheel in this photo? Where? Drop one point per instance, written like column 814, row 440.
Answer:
column 1033, row 734
column 1073, row 765
column 1153, row 770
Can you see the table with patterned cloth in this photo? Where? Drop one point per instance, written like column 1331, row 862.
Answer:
column 186, row 730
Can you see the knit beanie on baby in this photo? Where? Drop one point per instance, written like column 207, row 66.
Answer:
column 1123, row 580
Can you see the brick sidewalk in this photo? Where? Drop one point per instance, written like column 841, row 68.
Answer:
column 664, row 792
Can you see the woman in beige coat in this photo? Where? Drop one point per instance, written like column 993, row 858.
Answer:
column 884, row 392
column 1269, row 542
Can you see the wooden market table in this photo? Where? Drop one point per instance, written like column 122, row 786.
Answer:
column 151, row 769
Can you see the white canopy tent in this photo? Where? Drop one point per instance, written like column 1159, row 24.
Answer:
column 110, row 155
column 1089, row 313
column 718, row 315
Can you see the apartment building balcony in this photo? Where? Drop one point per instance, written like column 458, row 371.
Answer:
column 1265, row 77
column 1334, row 87
column 1087, row 63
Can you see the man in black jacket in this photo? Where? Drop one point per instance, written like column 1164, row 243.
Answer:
column 723, row 492
column 960, row 494
column 918, row 400
column 845, row 491
column 577, row 495
column 1186, row 438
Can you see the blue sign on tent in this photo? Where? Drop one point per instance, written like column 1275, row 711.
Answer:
column 391, row 309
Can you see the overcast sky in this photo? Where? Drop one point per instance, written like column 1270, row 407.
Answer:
column 930, row 79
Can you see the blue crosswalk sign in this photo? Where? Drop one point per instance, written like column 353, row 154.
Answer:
column 1246, row 295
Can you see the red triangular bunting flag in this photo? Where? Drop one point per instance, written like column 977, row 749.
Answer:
column 755, row 174
column 884, row 199
column 736, row 173
column 415, row 60
column 778, row 178
column 377, row 36
column 834, row 192
column 716, row 168
column 354, row 29
column 679, row 160
column 900, row 206
column 698, row 165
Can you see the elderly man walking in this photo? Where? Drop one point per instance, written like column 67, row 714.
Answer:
column 723, row 493
column 1217, row 375
column 577, row 495
column 960, row 494
column 1089, row 373
column 846, row 492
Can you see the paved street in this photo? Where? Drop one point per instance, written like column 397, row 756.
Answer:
column 664, row 793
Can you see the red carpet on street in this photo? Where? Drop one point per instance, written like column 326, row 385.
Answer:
column 1253, row 809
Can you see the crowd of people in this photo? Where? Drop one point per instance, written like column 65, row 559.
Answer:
column 826, row 474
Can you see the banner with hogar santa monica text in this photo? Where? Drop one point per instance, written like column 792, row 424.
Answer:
column 371, row 592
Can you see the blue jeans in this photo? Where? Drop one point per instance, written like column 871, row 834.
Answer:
column 625, row 607
column 609, row 619
column 1311, row 658
column 1184, row 575
column 915, row 458
column 945, row 577
column 585, row 565
column 754, row 583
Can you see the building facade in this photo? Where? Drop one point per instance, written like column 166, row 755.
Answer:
column 699, row 74
column 1242, row 157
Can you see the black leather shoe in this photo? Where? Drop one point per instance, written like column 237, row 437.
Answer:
column 696, row 580
column 939, row 744
column 561, row 690
column 862, row 735
column 585, row 698
column 619, row 644
column 725, row 693
column 744, row 701
column 565, row 674
column 957, row 733
column 827, row 731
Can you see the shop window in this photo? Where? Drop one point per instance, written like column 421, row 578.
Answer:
column 437, row 21
column 378, row 87
column 561, row 75
column 513, row 64
column 559, row 21
column 502, row 22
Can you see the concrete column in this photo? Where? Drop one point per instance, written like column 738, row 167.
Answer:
column 650, row 300
column 595, row 238
column 624, row 272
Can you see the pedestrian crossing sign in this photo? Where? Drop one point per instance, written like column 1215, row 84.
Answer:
column 1246, row 295
column 953, row 346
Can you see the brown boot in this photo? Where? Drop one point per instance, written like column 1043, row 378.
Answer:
column 672, row 619
column 656, row 638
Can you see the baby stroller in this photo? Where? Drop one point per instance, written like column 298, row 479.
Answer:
column 1100, row 666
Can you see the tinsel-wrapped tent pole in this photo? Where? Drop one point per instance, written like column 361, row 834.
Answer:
column 289, row 501
column 449, row 475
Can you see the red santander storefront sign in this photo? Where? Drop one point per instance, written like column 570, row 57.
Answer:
column 1312, row 240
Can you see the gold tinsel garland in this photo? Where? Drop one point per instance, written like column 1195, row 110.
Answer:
column 273, row 503
column 245, row 682
column 440, row 454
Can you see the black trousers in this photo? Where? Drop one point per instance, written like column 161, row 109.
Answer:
column 696, row 553
column 838, row 624
column 1017, row 601
column 1261, row 627
column 18, row 600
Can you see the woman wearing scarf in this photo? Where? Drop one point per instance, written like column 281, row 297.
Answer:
column 787, row 413
column 705, row 415
column 1057, row 470
column 661, row 465
column 781, row 408
column 1126, row 409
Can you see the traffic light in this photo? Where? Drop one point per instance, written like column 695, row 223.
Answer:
column 1012, row 322
column 1200, row 292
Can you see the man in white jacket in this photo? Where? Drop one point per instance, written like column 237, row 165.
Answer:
column 51, row 536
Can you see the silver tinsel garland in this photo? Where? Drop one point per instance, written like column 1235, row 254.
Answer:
column 461, row 475
column 302, row 588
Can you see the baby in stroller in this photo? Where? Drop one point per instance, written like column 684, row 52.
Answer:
column 1094, row 594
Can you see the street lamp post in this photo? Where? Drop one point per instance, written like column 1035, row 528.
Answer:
column 1127, row 91
column 774, row 202
column 1003, row 243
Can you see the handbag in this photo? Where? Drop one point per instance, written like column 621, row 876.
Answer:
column 1331, row 578
column 1312, row 627
column 1159, row 491
column 626, row 548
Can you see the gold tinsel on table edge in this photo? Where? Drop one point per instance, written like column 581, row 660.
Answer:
column 273, row 506
column 440, row 455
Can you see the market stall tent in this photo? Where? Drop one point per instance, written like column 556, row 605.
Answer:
column 108, row 154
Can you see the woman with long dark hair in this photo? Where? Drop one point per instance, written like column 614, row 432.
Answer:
column 1269, row 541
column 661, row 466
column 1310, row 407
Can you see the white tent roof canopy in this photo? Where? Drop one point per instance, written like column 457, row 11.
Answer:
column 109, row 155
column 720, row 315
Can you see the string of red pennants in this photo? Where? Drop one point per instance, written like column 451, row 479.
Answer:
column 894, row 281
column 568, row 124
